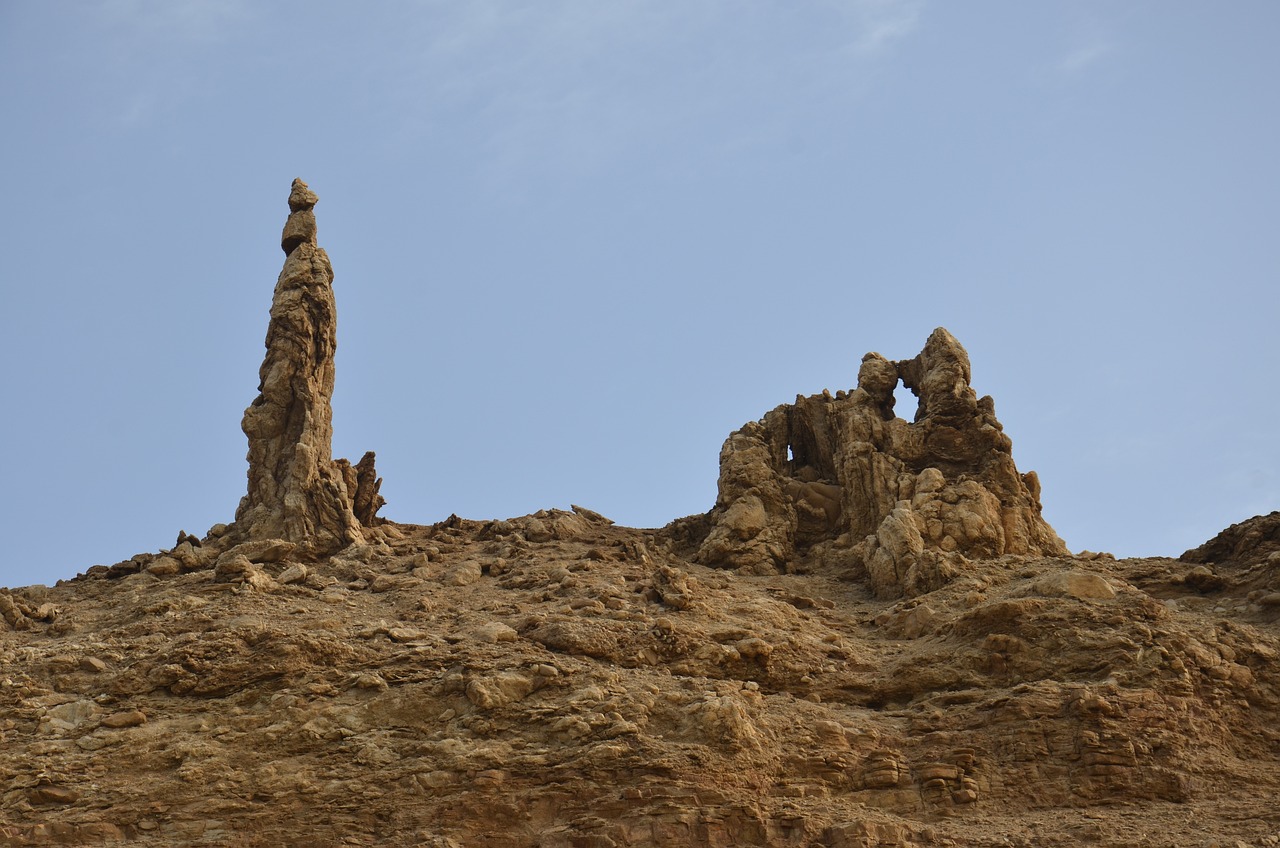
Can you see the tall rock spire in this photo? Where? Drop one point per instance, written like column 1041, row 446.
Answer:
column 297, row 491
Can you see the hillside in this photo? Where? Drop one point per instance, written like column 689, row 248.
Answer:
column 873, row 638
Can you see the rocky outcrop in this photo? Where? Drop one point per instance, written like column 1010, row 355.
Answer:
column 908, row 503
column 363, row 481
column 557, row 680
column 297, row 492
column 1247, row 543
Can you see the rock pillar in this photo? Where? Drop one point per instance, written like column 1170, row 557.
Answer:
column 297, row 491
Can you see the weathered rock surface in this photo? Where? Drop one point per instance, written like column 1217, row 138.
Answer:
column 907, row 504
column 1246, row 544
column 297, row 492
column 594, row 687
column 904, row 656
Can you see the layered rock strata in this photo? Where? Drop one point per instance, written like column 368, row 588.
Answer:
column 297, row 491
column 910, row 503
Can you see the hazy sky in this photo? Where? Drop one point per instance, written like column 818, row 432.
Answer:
column 579, row 242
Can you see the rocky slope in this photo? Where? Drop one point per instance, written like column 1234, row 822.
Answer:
column 872, row 639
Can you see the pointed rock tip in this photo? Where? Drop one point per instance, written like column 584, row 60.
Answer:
column 301, row 197
column 942, row 335
column 943, row 346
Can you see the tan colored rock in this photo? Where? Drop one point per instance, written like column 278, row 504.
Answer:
column 293, row 573
column 1252, row 542
column 263, row 550
column 1082, row 585
column 367, row 500
column 164, row 566
column 71, row 715
column 233, row 568
column 13, row 613
column 703, row 708
column 42, row 795
column 128, row 718
column 499, row 690
column 297, row 492
column 924, row 497
column 564, row 681
column 494, row 632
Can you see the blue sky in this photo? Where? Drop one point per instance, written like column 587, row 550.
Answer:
column 578, row 243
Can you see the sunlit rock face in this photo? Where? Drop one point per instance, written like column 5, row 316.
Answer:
column 297, row 491
column 908, row 504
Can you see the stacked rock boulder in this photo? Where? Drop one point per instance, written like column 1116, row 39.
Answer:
column 297, row 491
column 908, row 503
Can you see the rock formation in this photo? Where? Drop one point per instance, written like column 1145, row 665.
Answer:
column 297, row 491
column 911, row 503
column 1245, row 544
column 560, row 681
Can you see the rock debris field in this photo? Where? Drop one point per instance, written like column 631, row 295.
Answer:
column 873, row 638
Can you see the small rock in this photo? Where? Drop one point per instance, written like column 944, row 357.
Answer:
column 493, row 632
column 916, row 621
column 261, row 581
column 232, row 568
column 92, row 665
column 129, row 718
column 265, row 550
column 94, row 742
column 294, row 572
column 70, row 715
column 385, row 583
column 52, row 795
column 462, row 574
column 164, row 566
column 498, row 690
column 1082, row 585
column 590, row 514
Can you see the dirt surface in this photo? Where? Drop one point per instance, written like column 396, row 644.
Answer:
column 556, row 680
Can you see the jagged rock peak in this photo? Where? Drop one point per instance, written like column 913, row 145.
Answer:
column 297, row 491
column 301, row 197
column 905, row 505
column 1248, row 543
column 300, row 227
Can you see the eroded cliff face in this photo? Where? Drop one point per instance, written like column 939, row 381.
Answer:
column 297, row 491
column 909, row 503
